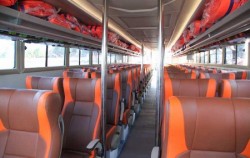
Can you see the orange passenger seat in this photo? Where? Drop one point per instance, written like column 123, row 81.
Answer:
column 29, row 124
column 81, row 114
column 46, row 83
column 206, row 128
column 235, row 88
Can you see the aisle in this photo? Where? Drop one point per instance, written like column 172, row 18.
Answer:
column 141, row 139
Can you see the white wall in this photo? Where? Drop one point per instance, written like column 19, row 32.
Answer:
column 18, row 80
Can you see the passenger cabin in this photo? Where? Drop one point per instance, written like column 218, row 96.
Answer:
column 125, row 79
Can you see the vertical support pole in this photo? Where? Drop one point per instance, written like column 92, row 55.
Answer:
column 142, row 66
column 159, row 90
column 90, row 57
column 247, row 49
column 104, row 72
column 67, row 51
column 223, row 55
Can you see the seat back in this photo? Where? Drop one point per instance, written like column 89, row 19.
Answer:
column 81, row 114
column 135, row 80
column 46, row 83
column 29, row 124
column 126, row 77
column 179, row 75
column 206, row 127
column 241, row 75
column 190, row 87
column 76, row 74
column 113, row 98
column 218, row 77
column 235, row 88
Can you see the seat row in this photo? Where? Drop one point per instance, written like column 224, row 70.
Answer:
column 195, row 123
column 78, row 100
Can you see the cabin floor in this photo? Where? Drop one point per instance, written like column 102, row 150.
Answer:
column 141, row 139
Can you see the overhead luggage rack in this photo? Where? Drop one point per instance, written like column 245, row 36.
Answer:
column 15, row 21
column 233, row 24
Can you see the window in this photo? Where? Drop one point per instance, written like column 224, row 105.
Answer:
column 206, row 57
column 202, row 57
column 119, row 58
column 197, row 57
column 219, row 56
column 95, row 57
column 74, row 56
column 7, row 54
column 100, row 58
column 213, row 56
column 112, row 58
column 230, row 56
column 55, row 56
column 84, row 57
column 241, row 55
column 108, row 58
column 35, row 55
column 125, row 59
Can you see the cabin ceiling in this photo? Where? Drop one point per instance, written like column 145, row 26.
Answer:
column 140, row 18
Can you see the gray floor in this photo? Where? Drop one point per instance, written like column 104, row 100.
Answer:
column 142, row 136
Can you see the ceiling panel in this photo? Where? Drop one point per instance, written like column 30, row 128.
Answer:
column 140, row 18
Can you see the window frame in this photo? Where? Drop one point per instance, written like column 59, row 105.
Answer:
column 17, row 64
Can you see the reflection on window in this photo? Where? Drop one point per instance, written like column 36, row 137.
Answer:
column 84, row 57
column 119, row 58
column 230, row 55
column 112, row 58
column 73, row 56
column 35, row 55
column 55, row 56
column 7, row 54
column 241, row 55
column 219, row 56
column 213, row 56
column 202, row 57
column 108, row 58
column 100, row 58
column 206, row 57
column 125, row 59
column 197, row 57
column 95, row 57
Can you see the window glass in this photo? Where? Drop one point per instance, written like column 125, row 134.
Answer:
column 95, row 57
column 108, row 58
column 55, row 56
column 35, row 55
column 100, row 58
column 7, row 54
column 219, row 56
column 125, row 59
column 197, row 57
column 206, row 57
column 202, row 57
column 241, row 55
column 112, row 58
column 84, row 57
column 119, row 58
column 74, row 56
column 213, row 56
column 230, row 57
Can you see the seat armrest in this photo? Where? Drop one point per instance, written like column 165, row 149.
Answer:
column 95, row 145
column 155, row 152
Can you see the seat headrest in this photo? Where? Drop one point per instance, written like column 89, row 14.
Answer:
column 207, row 126
column 27, row 110
column 80, row 89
